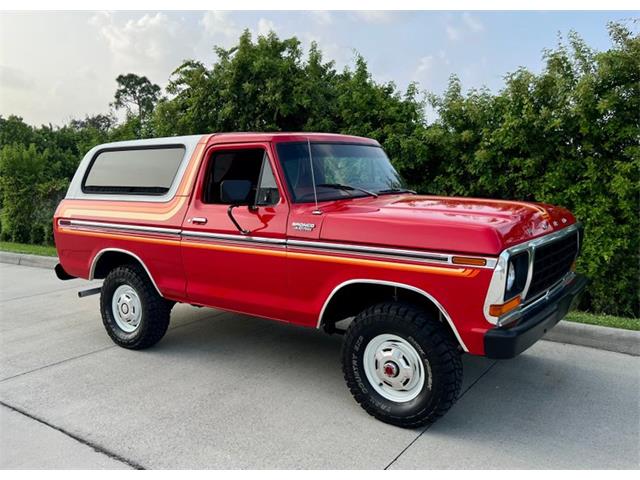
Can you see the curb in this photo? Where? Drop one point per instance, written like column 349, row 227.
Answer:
column 28, row 260
column 594, row 336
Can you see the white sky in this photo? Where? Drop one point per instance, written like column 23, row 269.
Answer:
column 55, row 66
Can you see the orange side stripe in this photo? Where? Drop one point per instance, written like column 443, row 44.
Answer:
column 316, row 257
column 160, row 213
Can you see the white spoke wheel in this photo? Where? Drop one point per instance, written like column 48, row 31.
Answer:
column 401, row 364
column 394, row 368
column 126, row 308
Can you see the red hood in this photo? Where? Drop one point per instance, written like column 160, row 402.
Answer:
column 449, row 224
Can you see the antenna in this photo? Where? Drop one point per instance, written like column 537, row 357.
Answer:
column 313, row 180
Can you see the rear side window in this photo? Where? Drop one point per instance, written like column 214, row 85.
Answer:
column 141, row 171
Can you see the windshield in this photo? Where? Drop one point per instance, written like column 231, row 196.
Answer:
column 337, row 165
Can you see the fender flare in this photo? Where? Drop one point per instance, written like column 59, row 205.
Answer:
column 425, row 294
column 98, row 255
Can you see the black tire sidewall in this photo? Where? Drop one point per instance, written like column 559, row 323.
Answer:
column 108, row 289
column 138, row 281
column 438, row 352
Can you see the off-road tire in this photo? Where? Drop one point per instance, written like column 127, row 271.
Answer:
column 436, row 348
column 156, row 311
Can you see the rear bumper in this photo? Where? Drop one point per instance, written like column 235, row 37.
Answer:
column 61, row 273
column 507, row 342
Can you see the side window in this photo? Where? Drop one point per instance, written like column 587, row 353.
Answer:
column 140, row 171
column 267, row 188
column 247, row 164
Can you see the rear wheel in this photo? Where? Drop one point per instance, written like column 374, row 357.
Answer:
column 133, row 313
column 401, row 365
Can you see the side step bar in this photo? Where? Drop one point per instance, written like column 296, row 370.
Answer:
column 90, row 291
column 62, row 275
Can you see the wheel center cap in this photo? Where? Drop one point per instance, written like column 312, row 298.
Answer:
column 125, row 308
column 390, row 369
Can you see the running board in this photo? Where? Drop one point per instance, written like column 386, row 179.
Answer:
column 91, row 291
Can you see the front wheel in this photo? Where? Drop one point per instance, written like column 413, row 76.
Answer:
column 133, row 313
column 401, row 365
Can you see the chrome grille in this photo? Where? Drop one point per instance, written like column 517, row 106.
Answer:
column 551, row 262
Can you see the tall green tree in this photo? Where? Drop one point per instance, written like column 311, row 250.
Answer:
column 138, row 96
column 269, row 85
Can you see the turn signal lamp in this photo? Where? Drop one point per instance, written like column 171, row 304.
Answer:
column 500, row 309
column 480, row 262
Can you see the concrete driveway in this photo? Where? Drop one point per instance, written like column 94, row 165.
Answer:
column 227, row 391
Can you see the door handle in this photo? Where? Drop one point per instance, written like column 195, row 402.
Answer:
column 197, row 220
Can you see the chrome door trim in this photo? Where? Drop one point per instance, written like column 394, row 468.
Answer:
column 234, row 237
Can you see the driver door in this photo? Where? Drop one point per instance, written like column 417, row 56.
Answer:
column 224, row 267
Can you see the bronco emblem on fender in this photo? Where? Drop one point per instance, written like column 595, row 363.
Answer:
column 303, row 227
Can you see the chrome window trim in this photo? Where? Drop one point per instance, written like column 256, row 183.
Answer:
column 392, row 284
column 495, row 292
column 120, row 250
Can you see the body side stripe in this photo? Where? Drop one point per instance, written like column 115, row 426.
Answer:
column 298, row 248
column 273, row 250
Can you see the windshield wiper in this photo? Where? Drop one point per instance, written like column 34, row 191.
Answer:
column 348, row 188
column 397, row 190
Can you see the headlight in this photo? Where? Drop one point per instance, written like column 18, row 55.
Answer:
column 517, row 272
column 511, row 276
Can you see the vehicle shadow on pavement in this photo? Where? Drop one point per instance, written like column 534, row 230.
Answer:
column 308, row 355
column 554, row 406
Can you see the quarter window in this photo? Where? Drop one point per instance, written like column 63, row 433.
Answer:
column 142, row 171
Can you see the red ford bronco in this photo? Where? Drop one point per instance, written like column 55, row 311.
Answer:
column 318, row 230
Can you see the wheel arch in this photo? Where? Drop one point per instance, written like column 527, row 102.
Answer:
column 109, row 258
column 336, row 306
